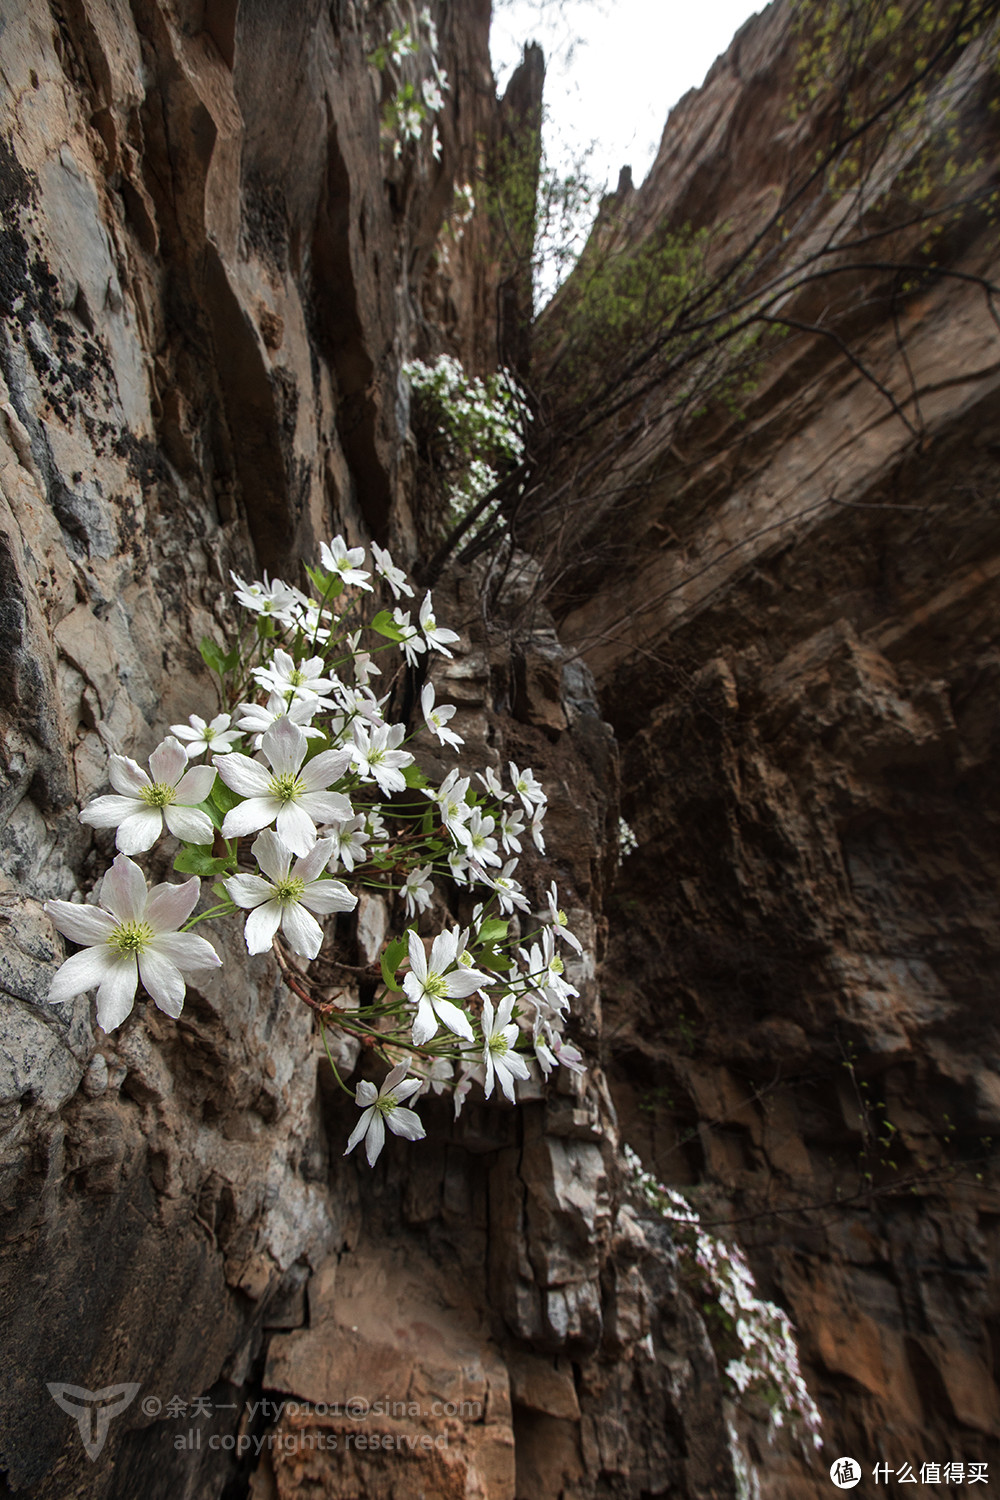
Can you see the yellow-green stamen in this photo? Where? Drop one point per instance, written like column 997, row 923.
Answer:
column 160, row 794
column 286, row 787
column 130, row 937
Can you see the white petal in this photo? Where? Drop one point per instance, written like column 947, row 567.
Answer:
column 108, row 812
column 139, row 832
column 123, row 890
column 296, row 828
column 242, row 775
column 309, row 866
column 487, row 1017
column 489, row 1080
column 84, row 971
column 326, row 896
column 194, row 786
column 406, row 1087
column 262, row 924
column 116, row 995
column 455, row 1019
column 504, row 1012
column 81, row 924
column 189, row 952
column 249, row 890
column 393, row 1078
column 163, row 980
column 254, row 813
column 360, row 1130
column 326, row 768
column 424, row 1022
column 127, row 776
column 461, row 983
column 375, row 1139
column 418, row 958
column 167, row 762
column 303, row 931
column 504, row 1077
column 366, row 1093
column 272, row 855
column 407, row 1123
column 326, row 807
column 285, row 746
column 170, row 906
column 189, row 824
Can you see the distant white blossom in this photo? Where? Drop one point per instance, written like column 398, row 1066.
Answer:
column 143, row 803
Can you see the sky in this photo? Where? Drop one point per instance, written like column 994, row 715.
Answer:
column 614, row 68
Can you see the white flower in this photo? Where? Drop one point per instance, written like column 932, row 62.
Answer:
column 558, row 919
column 435, row 143
column 272, row 597
column 436, row 635
column 364, row 667
column 133, row 935
column 432, row 988
column 412, row 644
column 294, row 795
column 491, row 782
column 394, row 577
column 305, row 680
column 343, row 560
column 287, row 899
column 377, row 756
column 257, row 720
column 499, row 1037
column 537, row 836
column 450, row 798
column 217, row 735
column 385, row 1108
column 436, row 719
column 475, row 835
column 144, row 804
column 458, row 866
column 508, row 891
column 511, row 828
column 433, row 97
column 417, row 890
column 349, row 840
column 528, row 789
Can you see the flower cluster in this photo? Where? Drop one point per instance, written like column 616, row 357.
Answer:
column 627, row 841
column 414, row 101
column 465, row 419
column 759, row 1342
column 302, row 793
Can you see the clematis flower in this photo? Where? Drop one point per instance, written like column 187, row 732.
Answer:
column 385, row 1107
column 499, row 1037
column 412, row 645
column 132, row 935
column 343, row 560
column 199, row 736
column 475, row 835
column 289, row 896
column 273, row 597
column 257, row 719
column 528, row 789
column 349, row 840
column 394, row 577
column 144, row 803
column 292, row 795
column 508, row 891
column 377, row 756
column 557, row 918
column 432, row 988
column 450, row 798
column 436, row 719
column 283, row 676
column 436, row 635
column 417, row 890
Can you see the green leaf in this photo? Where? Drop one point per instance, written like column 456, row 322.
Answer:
column 196, row 860
column 385, row 625
column 213, row 655
column 491, row 958
column 390, row 962
column 493, row 930
column 223, row 798
column 219, row 891
column 413, row 776
column 327, row 585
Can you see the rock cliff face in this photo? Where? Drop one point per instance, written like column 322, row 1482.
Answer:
column 793, row 624
column 210, row 272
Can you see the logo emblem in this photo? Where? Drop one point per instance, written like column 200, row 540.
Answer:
column 92, row 1410
column 845, row 1473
